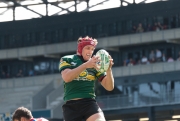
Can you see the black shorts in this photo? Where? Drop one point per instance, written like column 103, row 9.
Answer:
column 80, row 110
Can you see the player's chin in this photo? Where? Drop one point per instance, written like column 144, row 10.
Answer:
column 87, row 58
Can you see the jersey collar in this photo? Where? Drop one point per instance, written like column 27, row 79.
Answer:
column 81, row 58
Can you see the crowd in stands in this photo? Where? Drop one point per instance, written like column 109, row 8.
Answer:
column 140, row 28
column 20, row 73
column 4, row 75
column 154, row 57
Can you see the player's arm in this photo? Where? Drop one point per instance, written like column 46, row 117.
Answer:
column 108, row 81
column 69, row 74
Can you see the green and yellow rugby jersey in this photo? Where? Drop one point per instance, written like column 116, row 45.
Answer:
column 83, row 85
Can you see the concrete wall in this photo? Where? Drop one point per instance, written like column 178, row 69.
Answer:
column 14, row 83
column 146, row 69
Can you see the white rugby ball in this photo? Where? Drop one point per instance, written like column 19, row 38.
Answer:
column 103, row 65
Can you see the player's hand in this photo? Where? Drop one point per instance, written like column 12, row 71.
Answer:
column 92, row 62
column 111, row 63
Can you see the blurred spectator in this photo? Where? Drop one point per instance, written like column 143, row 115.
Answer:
column 155, row 28
column 7, row 75
column 153, row 60
column 144, row 60
column 3, row 75
column 149, row 28
column 170, row 59
column 138, row 62
column 131, row 62
column 133, row 29
column 159, row 26
column 20, row 73
column 164, row 57
column 140, row 28
column 152, row 56
column 178, row 58
column 165, row 27
column 126, row 62
column 158, row 55
column 31, row 72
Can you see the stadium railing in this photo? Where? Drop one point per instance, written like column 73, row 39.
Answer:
column 123, row 102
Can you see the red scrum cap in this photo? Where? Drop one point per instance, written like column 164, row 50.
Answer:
column 82, row 42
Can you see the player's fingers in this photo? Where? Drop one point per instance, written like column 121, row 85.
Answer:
column 93, row 60
column 111, row 63
column 96, row 67
column 109, row 56
column 98, row 60
column 97, row 57
column 111, row 59
column 93, row 57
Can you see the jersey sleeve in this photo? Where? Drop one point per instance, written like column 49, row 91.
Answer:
column 100, row 76
column 64, row 64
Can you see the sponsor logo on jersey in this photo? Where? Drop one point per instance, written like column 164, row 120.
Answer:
column 84, row 76
column 90, row 77
column 73, row 64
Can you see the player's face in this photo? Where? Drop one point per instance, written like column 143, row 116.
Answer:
column 22, row 119
column 87, row 52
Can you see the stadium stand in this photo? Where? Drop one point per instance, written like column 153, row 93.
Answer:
column 19, row 91
column 143, row 87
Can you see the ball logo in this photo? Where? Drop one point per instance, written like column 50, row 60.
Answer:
column 106, row 60
column 104, row 63
column 102, row 59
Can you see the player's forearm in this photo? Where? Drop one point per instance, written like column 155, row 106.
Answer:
column 71, row 74
column 108, row 81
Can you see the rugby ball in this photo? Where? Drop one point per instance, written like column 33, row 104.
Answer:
column 103, row 65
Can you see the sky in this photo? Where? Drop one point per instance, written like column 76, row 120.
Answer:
column 22, row 13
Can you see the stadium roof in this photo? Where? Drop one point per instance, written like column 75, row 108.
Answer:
column 19, row 9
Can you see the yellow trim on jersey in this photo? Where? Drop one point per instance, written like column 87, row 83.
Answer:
column 98, row 74
column 90, row 77
column 64, row 63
